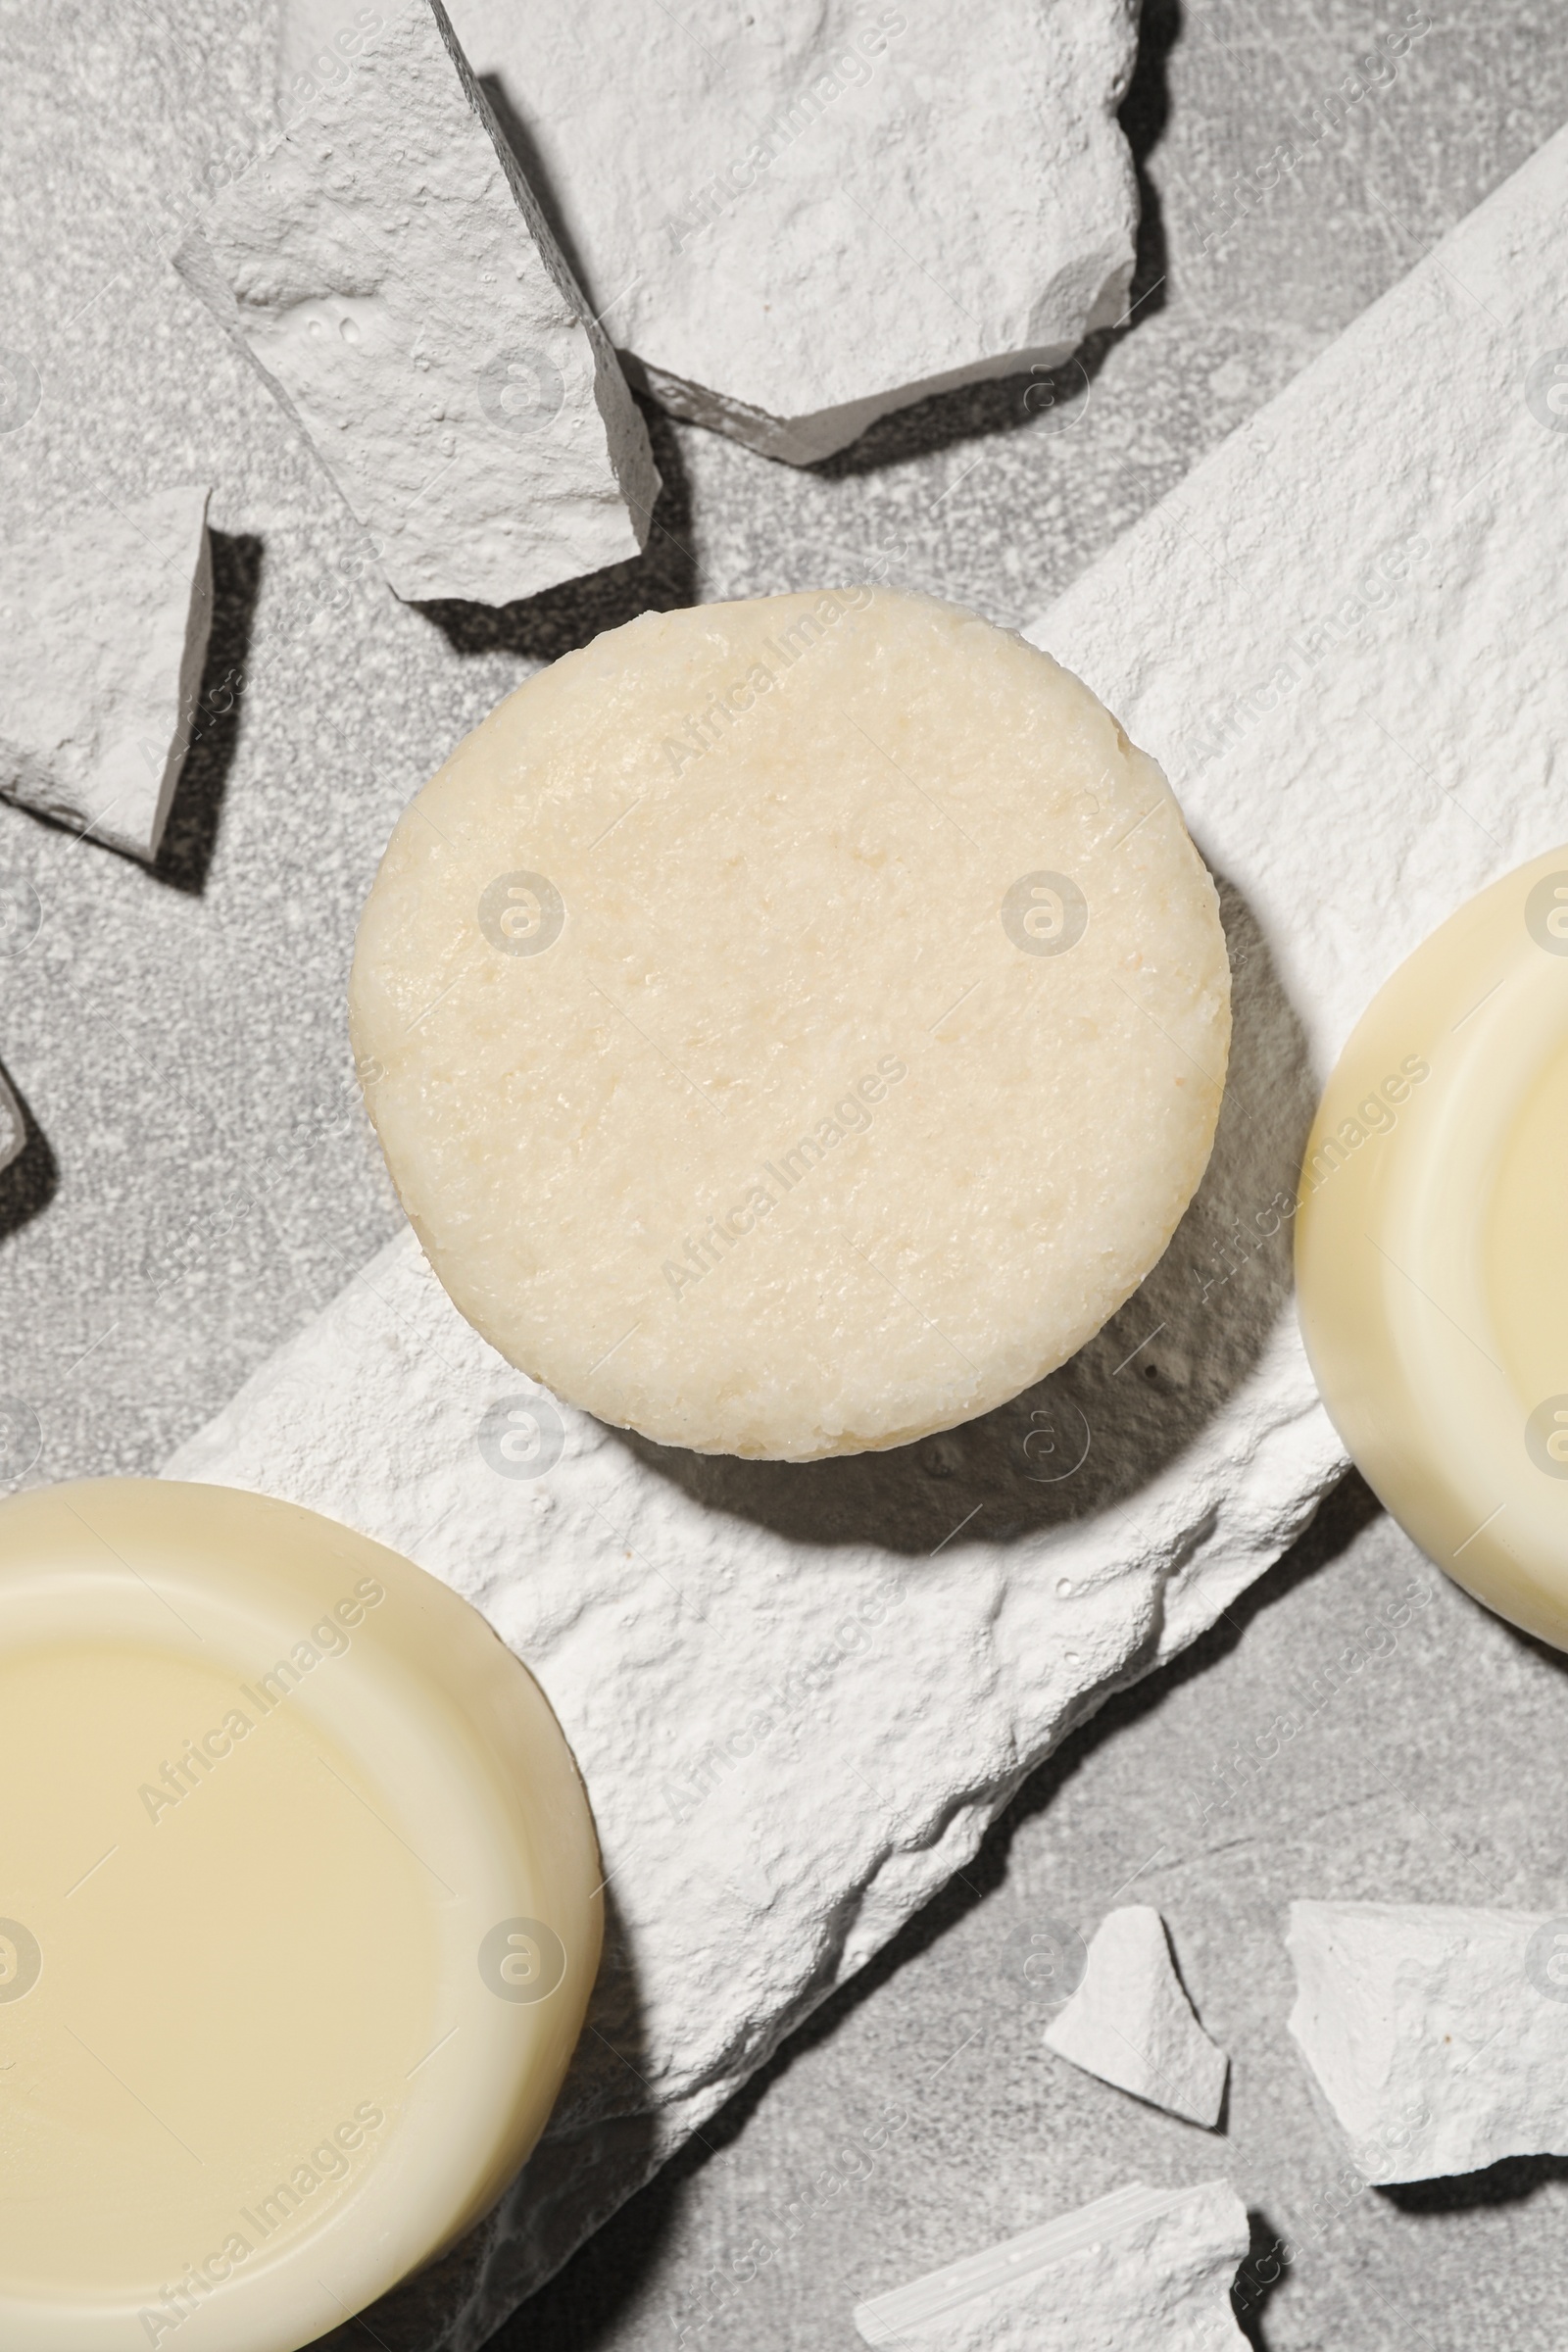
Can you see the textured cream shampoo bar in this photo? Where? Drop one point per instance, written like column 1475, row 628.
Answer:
column 794, row 1026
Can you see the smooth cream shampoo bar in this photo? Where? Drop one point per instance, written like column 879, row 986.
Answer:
column 298, row 1919
column 1431, row 1263
column 794, row 1026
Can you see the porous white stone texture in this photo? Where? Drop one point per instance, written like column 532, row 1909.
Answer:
column 1340, row 639
column 1131, row 2023
column 1438, row 2037
column 816, row 212
column 387, row 268
column 13, row 1134
column 104, row 621
column 1142, row 2270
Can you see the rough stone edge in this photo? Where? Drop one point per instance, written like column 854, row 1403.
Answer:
column 142, row 840
column 627, row 444
column 1387, row 2158
column 193, row 660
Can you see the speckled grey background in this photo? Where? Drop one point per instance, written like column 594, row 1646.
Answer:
column 198, row 1181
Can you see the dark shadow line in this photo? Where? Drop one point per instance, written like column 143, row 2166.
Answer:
column 31, row 1180
column 531, row 164
column 190, row 835
column 1252, row 2292
column 1511, row 2181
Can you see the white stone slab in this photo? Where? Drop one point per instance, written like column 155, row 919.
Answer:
column 809, row 214
column 387, row 270
column 1144, row 2270
column 1129, row 2022
column 794, row 1722
column 104, row 621
column 1438, row 2037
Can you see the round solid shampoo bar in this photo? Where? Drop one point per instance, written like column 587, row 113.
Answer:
column 298, row 1919
column 794, row 1026
column 1431, row 1260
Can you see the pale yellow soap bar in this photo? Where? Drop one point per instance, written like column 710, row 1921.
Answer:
column 1432, row 1261
column 794, row 1026
column 298, row 1919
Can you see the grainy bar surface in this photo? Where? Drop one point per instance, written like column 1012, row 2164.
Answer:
column 794, row 1026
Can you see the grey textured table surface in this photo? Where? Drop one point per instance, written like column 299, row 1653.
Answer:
column 198, row 1180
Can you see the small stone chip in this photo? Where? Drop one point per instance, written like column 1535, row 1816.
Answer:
column 1131, row 2023
column 794, row 1026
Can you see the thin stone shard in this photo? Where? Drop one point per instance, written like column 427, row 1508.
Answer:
column 387, row 270
column 1131, row 2023
column 1141, row 2270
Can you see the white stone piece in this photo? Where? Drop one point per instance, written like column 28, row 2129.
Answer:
column 104, row 624
column 788, row 1743
column 12, row 1133
column 1142, row 2270
column 386, row 268
column 1131, row 2023
column 1438, row 2037
column 812, row 213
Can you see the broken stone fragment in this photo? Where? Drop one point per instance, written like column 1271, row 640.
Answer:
column 1438, row 2037
column 1131, row 2023
column 1141, row 2268
column 13, row 1132
column 387, row 270
column 104, row 624
column 809, row 217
